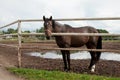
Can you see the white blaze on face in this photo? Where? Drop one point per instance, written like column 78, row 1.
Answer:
column 93, row 68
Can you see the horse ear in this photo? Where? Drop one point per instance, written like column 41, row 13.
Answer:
column 50, row 17
column 44, row 18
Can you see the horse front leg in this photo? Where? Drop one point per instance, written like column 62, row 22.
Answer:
column 66, row 59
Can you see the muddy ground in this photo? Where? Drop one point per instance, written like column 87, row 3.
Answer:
column 103, row 67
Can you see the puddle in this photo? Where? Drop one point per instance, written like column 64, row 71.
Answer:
column 76, row 55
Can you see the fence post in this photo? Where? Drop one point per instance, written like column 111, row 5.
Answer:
column 19, row 44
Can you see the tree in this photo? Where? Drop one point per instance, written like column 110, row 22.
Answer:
column 10, row 31
column 107, row 37
column 41, row 30
column 27, row 31
column 103, row 31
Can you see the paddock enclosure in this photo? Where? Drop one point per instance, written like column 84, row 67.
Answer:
column 23, row 41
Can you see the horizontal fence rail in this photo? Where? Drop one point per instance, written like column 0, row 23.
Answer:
column 73, row 34
column 62, row 34
column 70, row 19
column 72, row 49
column 73, row 19
column 9, row 45
column 4, row 35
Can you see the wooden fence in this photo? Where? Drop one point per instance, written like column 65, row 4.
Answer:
column 20, row 34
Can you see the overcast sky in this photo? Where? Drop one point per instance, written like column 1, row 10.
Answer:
column 11, row 10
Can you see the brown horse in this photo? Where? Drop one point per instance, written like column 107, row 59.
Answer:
column 91, row 42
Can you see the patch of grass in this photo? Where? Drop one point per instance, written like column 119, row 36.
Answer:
column 32, row 74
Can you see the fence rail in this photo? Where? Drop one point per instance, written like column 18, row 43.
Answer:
column 9, row 24
column 62, row 34
column 70, row 19
column 74, row 34
column 73, row 19
column 4, row 35
column 14, row 46
column 72, row 49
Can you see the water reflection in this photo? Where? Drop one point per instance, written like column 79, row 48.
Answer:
column 76, row 55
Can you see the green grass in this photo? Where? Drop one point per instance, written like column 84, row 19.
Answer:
column 32, row 74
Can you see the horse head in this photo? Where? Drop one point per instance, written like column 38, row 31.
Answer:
column 48, row 26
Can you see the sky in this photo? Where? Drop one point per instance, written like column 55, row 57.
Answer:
column 12, row 10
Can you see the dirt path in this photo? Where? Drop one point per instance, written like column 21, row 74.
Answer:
column 4, row 74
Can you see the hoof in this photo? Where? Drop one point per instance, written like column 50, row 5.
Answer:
column 66, row 70
column 89, row 71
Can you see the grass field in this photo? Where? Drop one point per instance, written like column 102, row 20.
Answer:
column 32, row 74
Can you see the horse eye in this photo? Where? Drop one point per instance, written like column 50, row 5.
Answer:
column 47, row 23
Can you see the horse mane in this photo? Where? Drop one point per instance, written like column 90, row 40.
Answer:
column 53, row 23
column 64, row 26
column 67, row 25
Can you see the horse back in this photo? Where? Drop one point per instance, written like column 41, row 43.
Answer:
column 76, row 41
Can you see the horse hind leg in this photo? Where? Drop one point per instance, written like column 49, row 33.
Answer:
column 97, row 57
column 93, row 57
column 93, row 62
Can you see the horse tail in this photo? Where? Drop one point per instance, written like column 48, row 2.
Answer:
column 99, row 43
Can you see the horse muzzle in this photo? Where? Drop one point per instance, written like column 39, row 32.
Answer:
column 47, row 37
column 48, row 34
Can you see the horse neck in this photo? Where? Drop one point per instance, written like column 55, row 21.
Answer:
column 58, row 27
